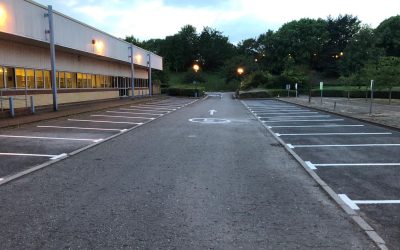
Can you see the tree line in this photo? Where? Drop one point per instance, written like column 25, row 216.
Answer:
column 299, row 51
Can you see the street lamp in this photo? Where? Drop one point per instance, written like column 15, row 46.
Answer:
column 196, row 68
column 240, row 71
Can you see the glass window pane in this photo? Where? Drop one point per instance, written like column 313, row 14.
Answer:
column 79, row 82
column 47, row 79
column 2, row 84
column 9, row 72
column 62, row 80
column 84, row 81
column 20, row 77
column 68, row 80
column 89, row 80
column 39, row 79
column 30, row 77
column 74, row 78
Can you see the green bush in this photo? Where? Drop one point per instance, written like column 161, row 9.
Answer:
column 267, row 93
column 185, row 91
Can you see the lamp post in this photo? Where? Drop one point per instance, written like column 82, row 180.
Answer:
column 240, row 72
column 196, row 68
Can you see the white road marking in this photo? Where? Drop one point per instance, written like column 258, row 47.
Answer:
column 132, row 113
column 290, row 146
column 327, row 120
column 310, row 165
column 47, row 138
column 356, row 164
column 146, row 110
column 317, row 126
column 348, row 201
column 153, row 108
column 160, row 105
column 81, row 128
column 313, row 134
column 371, row 202
column 126, row 117
column 276, row 110
column 345, row 145
column 285, row 113
column 58, row 156
column 133, row 123
column 30, row 155
column 212, row 111
column 293, row 116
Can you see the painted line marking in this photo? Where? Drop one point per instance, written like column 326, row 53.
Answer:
column 133, row 113
column 155, row 108
column 48, row 138
column 293, row 116
column 310, row 165
column 345, row 145
column 317, row 126
column 133, row 123
column 126, row 117
column 290, row 146
column 276, row 110
column 160, row 106
column 286, row 113
column 58, row 156
column 81, row 128
column 348, row 201
column 31, row 155
column 371, row 202
column 146, row 110
column 312, row 134
column 328, row 120
column 356, row 164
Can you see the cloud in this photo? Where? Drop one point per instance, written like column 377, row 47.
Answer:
column 238, row 19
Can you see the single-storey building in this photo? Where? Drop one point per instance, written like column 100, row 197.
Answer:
column 89, row 64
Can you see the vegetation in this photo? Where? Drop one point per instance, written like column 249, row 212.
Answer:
column 339, row 50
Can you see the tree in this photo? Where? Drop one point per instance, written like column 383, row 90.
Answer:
column 360, row 50
column 133, row 40
column 214, row 48
column 388, row 73
column 388, row 36
column 341, row 30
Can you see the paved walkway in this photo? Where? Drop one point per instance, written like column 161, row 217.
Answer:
column 382, row 112
column 67, row 110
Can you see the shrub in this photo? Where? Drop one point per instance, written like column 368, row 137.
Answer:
column 185, row 91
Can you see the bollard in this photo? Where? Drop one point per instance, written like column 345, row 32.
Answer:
column 11, row 103
column 32, row 104
column 334, row 106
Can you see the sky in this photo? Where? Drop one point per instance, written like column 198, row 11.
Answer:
column 237, row 19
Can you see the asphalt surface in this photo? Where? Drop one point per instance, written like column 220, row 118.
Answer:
column 358, row 160
column 188, row 180
column 33, row 144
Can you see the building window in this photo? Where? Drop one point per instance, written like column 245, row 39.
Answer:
column 79, row 82
column 20, row 78
column 39, row 79
column 62, row 80
column 2, row 78
column 47, row 81
column 91, row 81
column 68, row 80
column 30, row 78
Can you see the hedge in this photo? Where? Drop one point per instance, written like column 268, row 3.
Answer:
column 356, row 93
column 185, row 91
column 268, row 93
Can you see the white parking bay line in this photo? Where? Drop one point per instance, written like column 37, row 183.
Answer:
column 326, row 120
column 133, row 123
column 82, row 128
column 316, row 126
column 49, row 138
column 145, row 110
column 127, row 117
column 344, row 145
column 152, row 108
column 293, row 116
column 356, row 164
column 348, row 201
column 353, row 203
column 286, row 113
column 320, row 134
column 133, row 113
column 29, row 155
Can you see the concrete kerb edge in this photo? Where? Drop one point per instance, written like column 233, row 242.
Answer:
column 342, row 115
column 369, row 231
column 16, row 176
column 136, row 100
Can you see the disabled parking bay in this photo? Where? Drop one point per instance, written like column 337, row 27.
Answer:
column 30, row 145
column 359, row 161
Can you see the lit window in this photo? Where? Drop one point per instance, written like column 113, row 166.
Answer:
column 20, row 78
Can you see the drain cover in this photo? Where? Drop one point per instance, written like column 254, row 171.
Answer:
column 210, row 120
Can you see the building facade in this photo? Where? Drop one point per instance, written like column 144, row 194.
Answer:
column 90, row 64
